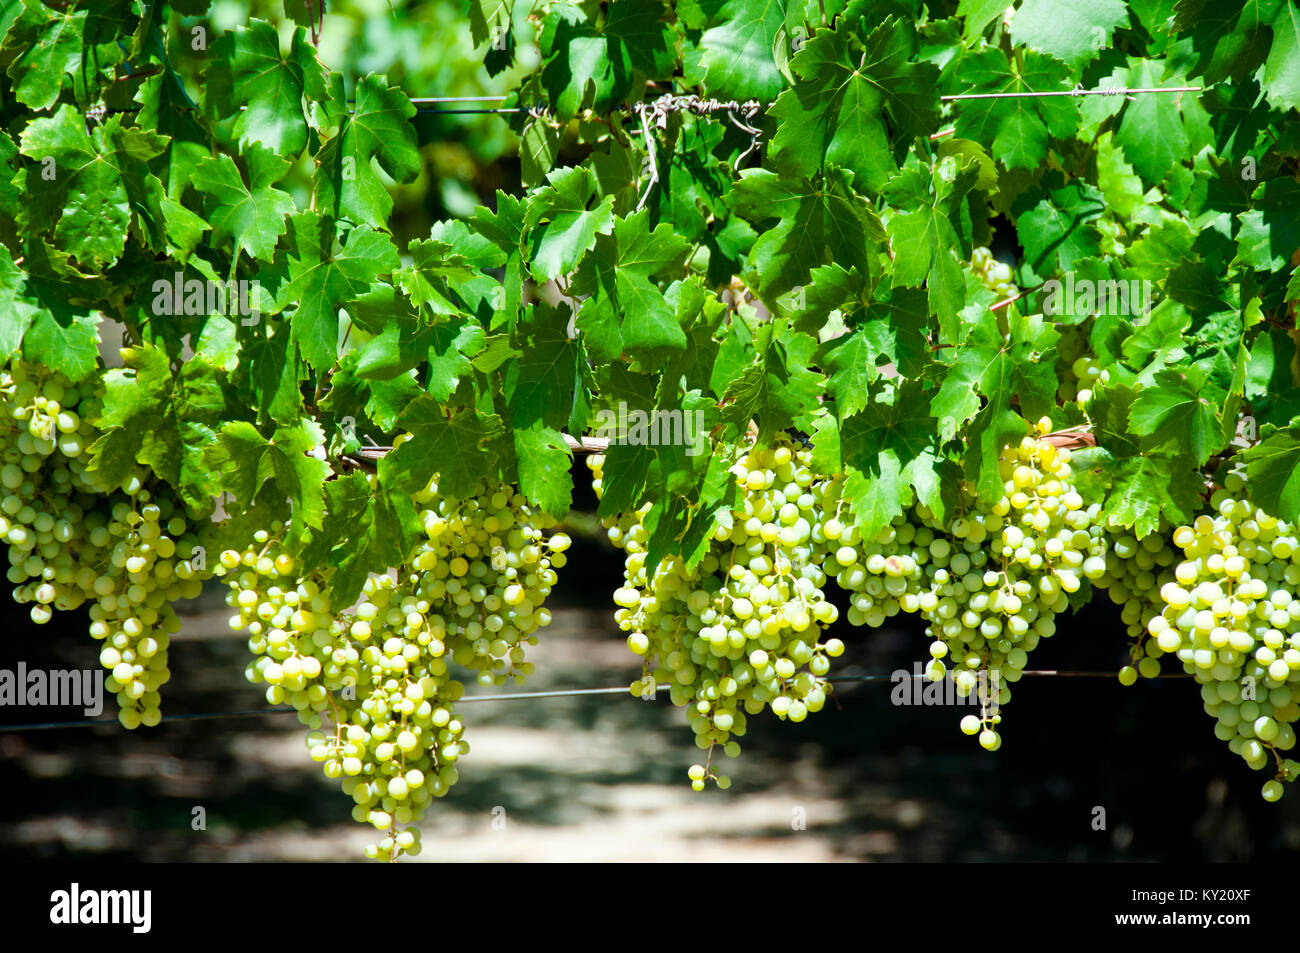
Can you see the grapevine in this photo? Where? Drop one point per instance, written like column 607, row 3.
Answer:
column 373, row 682
column 745, row 252
column 72, row 539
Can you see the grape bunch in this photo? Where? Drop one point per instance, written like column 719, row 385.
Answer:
column 130, row 550
column 1072, row 345
column 995, row 275
column 374, row 682
column 1086, row 374
column 1136, row 571
column 882, row 575
column 149, row 556
column 378, row 700
column 739, row 631
column 1232, row 618
column 488, row 568
column 1077, row 367
column 990, row 582
column 1011, row 569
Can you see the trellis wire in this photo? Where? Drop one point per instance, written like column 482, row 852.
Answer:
column 715, row 105
column 641, row 107
column 1105, row 91
column 517, row 696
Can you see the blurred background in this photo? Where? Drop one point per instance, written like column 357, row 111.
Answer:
column 425, row 48
column 604, row 777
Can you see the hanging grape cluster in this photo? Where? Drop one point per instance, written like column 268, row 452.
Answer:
column 994, row 274
column 374, row 681
column 131, row 550
column 740, row 630
column 989, row 582
column 1231, row 617
column 1136, row 572
column 1077, row 366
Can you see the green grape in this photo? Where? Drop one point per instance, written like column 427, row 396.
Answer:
column 1076, row 367
column 740, row 631
column 995, row 275
column 1135, row 572
column 128, row 550
column 990, row 581
column 379, row 676
column 1231, row 617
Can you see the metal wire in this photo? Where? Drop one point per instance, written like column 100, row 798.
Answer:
column 462, row 112
column 457, row 99
column 516, row 696
column 1110, row 91
column 416, row 100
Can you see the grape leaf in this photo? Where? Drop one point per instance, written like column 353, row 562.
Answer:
column 67, row 339
column 51, row 45
column 561, row 224
column 930, row 235
column 1001, row 368
column 253, row 215
column 258, row 471
column 1273, row 468
column 779, row 389
column 435, row 277
column 890, row 455
column 406, row 341
column 539, row 384
column 849, row 83
column 1179, row 408
column 627, row 473
column 1281, row 76
column 505, row 230
column 539, row 148
column 1150, row 129
column 248, row 80
column 324, row 275
column 1270, row 231
column 1145, row 491
column 1074, row 31
column 10, row 194
column 977, row 15
column 88, row 183
column 544, row 460
column 852, row 361
column 819, row 220
column 623, row 307
column 1021, row 128
column 489, row 19
column 379, row 130
column 454, row 449
column 1055, row 224
column 365, row 530
column 596, row 66
column 161, row 419
column 732, row 59
column 15, row 314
